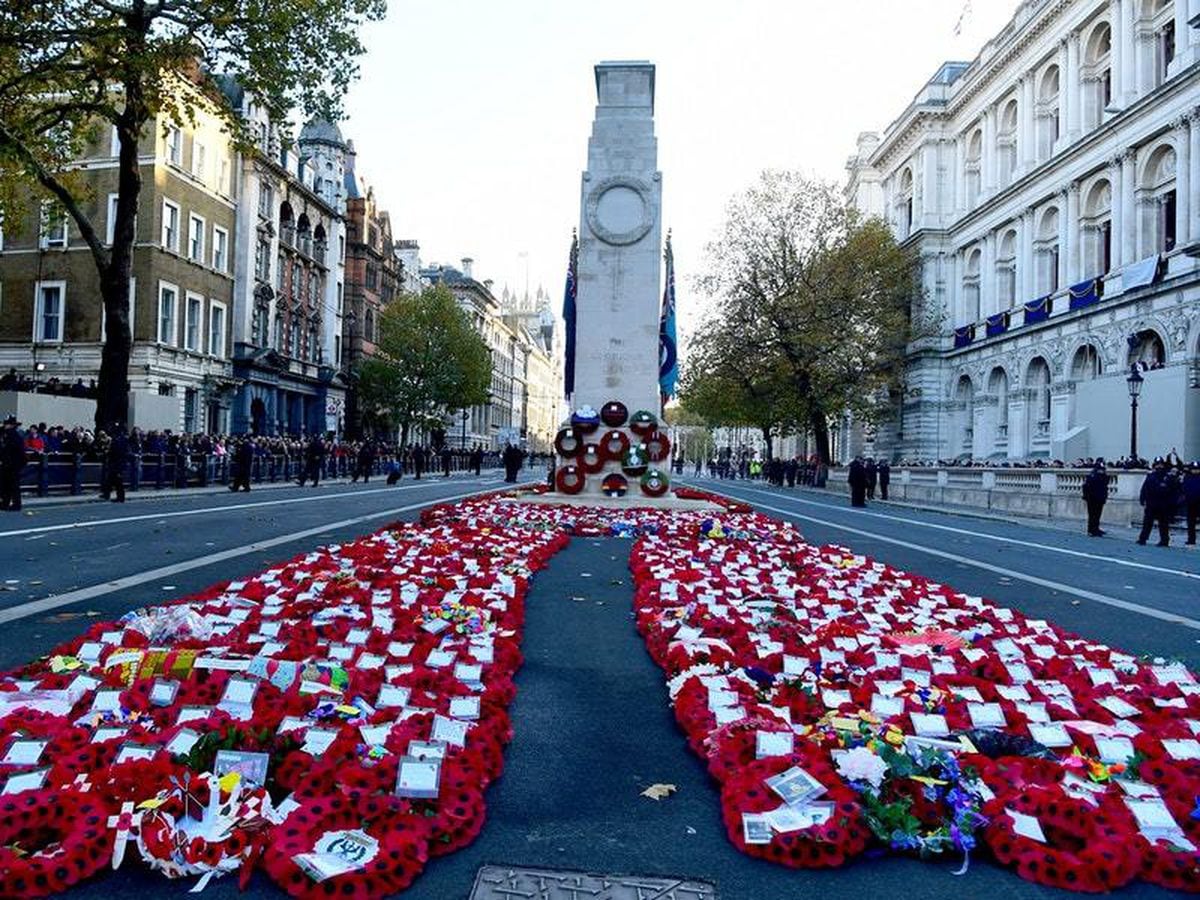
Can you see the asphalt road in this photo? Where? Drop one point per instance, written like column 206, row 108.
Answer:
column 591, row 720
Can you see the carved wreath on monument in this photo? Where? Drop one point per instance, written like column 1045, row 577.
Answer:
column 620, row 210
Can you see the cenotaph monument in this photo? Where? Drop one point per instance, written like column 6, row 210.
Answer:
column 612, row 444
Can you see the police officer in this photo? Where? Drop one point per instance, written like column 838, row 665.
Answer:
column 1160, row 494
column 857, row 479
column 872, row 475
column 243, row 462
column 12, row 461
column 1095, row 495
column 477, row 459
column 885, row 478
column 447, row 457
column 314, row 457
column 1191, row 498
column 115, row 462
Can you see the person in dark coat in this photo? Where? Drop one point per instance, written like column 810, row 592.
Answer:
column 418, row 456
column 447, row 457
column 364, row 461
column 885, row 478
column 314, row 458
column 243, row 464
column 871, row 474
column 857, row 479
column 1095, row 495
column 1191, row 498
column 477, row 459
column 512, row 463
column 12, row 461
column 115, row 462
column 1159, row 496
column 789, row 471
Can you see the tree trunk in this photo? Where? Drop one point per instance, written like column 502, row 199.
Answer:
column 820, row 432
column 404, row 433
column 112, row 400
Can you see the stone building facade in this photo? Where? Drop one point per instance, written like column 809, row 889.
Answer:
column 289, row 278
column 1051, row 189
column 52, row 316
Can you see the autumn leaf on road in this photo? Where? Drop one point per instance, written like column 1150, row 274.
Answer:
column 659, row 791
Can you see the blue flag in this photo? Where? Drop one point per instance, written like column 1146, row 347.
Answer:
column 569, row 319
column 668, row 354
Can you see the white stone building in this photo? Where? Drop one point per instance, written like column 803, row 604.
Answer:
column 1051, row 188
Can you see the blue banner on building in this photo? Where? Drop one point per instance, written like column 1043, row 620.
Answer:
column 1038, row 310
column 1086, row 293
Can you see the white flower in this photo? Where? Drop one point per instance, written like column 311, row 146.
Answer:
column 860, row 764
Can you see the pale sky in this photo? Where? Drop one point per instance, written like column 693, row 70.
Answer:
column 471, row 117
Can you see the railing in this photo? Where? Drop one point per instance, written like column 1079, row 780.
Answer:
column 72, row 474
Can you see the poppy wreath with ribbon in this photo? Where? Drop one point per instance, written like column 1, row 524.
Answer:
column 49, row 840
column 1085, row 850
column 614, row 485
column 403, row 838
column 569, row 479
column 586, row 419
column 592, row 458
column 614, row 444
column 658, row 445
column 614, row 413
column 643, row 422
column 568, row 442
column 655, row 483
column 634, row 461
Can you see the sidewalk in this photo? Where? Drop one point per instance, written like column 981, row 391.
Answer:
column 92, row 497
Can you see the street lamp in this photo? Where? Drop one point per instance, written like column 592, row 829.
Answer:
column 465, row 415
column 1135, row 387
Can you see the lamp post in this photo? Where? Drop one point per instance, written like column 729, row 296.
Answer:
column 1135, row 388
column 463, row 442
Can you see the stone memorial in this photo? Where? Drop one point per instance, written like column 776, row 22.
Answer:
column 612, row 445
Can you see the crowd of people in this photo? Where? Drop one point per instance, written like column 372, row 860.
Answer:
column 27, row 384
column 247, row 457
column 1124, row 463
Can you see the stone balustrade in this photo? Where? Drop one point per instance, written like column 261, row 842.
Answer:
column 1036, row 493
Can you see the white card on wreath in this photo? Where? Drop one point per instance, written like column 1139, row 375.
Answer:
column 772, row 743
column 929, row 724
column 1114, row 749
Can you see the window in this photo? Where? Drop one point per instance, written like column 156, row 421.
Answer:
column 220, row 249
column 337, row 349
column 297, row 287
column 341, row 248
column 54, row 227
column 223, row 184
column 168, row 299
column 314, row 349
column 112, row 217
column 166, row 389
column 262, row 260
column 170, row 225
column 192, row 322
column 280, row 272
column 50, row 302
column 279, row 333
column 259, row 325
column 266, row 201
column 189, row 410
column 195, row 238
column 1106, row 89
column 174, row 145
column 294, row 340
column 132, row 308
column 199, row 159
column 1106, row 246
column 1166, row 48
column 340, row 289
column 216, row 328
column 1166, row 227
column 1054, row 269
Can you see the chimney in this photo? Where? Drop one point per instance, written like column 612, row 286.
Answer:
column 487, row 283
column 467, row 262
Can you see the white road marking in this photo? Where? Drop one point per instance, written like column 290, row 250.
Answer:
column 34, row 607
column 1182, row 573
column 160, row 517
column 988, row 567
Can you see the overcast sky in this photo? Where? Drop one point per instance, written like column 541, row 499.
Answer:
column 471, row 117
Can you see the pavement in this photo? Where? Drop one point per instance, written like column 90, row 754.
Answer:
column 592, row 724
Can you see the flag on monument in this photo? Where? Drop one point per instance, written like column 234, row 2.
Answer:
column 569, row 319
column 668, row 355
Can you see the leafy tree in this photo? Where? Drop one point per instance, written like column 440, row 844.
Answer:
column 725, row 387
column 428, row 359
column 825, row 295
column 69, row 69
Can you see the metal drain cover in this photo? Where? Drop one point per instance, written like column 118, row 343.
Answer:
column 517, row 883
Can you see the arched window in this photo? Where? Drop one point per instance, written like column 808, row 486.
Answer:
column 279, row 345
column 1006, row 271
column 974, row 167
column 1157, row 201
column 1096, row 75
column 1048, row 122
column 314, row 349
column 369, row 326
column 1159, row 19
column 1146, row 350
column 1037, row 379
column 998, row 387
column 304, row 235
column 970, row 288
column 287, row 224
column 320, row 242
column 1097, row 228
column 1006, row 143
column 964, row 395
column 1086, row 365
column 1045, row 249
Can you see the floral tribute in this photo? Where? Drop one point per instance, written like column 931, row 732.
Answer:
column 845, row 706
column 333, row 720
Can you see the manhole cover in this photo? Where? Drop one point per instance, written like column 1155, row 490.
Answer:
column 512, row 883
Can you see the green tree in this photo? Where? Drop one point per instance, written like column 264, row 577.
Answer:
column 429, row 359
column 827, row 295
column 69, row 69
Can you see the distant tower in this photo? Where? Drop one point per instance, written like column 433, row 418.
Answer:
column 322, row 142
